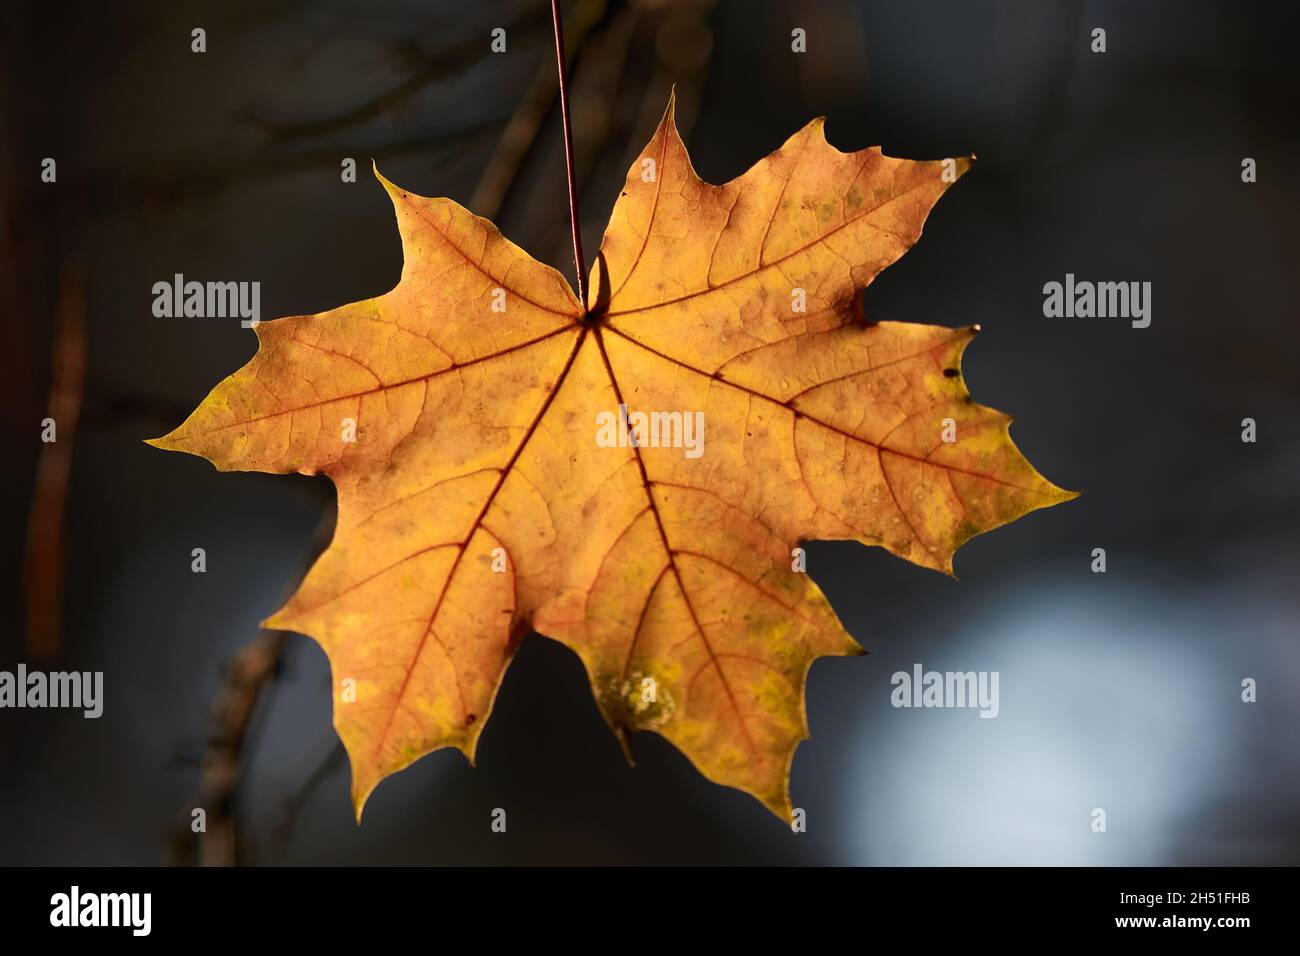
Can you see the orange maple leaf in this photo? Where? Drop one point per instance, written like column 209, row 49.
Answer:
column 477, row 500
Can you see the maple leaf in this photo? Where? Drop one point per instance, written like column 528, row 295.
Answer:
column 476, row 504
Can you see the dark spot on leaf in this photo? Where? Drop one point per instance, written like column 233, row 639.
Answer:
column 950, row 373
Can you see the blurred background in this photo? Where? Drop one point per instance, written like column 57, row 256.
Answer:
column 1119, row 690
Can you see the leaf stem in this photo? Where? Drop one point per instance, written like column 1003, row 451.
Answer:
column 575, row 224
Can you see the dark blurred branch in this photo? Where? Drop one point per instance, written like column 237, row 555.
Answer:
column 522, row 129
column 43, row 566
column 682, row 39
column 245, row 677
column 448, row 63
column 202, row 179
column 289, row 148
column 295, row 804
column 15, row 348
